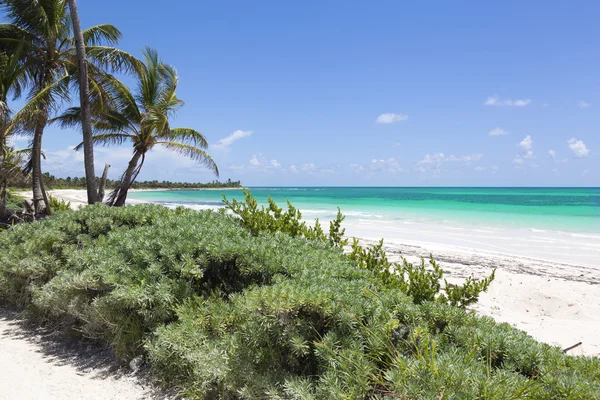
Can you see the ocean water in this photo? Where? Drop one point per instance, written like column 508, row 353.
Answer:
column 571, row 210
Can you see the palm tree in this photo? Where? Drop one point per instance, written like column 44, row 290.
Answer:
column 43, row 29
column 12, row 79
column 143, row 120
column 84, row 99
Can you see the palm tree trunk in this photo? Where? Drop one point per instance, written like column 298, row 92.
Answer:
column 39, row 194
column 120, row 194
column 84, row 98
column 3, row 184
column 102, row 183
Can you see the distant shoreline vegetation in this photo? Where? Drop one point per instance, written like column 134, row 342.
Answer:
column 53, row 182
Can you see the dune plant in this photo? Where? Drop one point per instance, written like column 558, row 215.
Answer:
column 274, row 219
column 419, row 282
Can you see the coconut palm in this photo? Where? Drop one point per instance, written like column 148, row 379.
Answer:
column 43, row 29
column 143, row 119
column 12, row 79
column 84, row 99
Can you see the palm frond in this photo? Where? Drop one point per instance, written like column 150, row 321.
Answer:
column 188, row 135
column 107, row 139
column 192, row 152
column 36, row 109
column 113, row 60
column 105, row 33
column 13, row 36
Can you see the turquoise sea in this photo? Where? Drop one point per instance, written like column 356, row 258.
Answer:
column 557, row 209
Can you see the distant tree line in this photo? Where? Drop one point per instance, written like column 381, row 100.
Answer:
column 53, row 182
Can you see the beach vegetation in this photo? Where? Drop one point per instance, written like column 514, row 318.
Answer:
column 274, row 219
column 59, row 204
column 219, row 311
column 420, row 282
column 53, row 183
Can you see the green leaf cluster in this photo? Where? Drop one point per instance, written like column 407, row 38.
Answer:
column 222, row 313
column 274, row 219
column 419, row 282
column 59, row 204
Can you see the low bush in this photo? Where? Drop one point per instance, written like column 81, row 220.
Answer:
column 59, row 204
column 14, row 202
column 223, row 312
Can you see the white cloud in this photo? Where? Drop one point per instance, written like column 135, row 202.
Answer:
column 390, row 165
column 255, row 160
column 68, row 162
column 578, row 148
column 526, row 143
column 434, row 162
column 225, row 142
column 526, row 146
column 309, row 167
column 552, row 154
column 275, row 164
column 498, row 132
column 480, row 168
column 583, row 104
column 236, row 167
column 293, row 168
column 390, row 118
column 495, row 101
column 518, row 160
column 397, row 144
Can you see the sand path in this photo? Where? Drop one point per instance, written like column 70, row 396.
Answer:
column 36, row 365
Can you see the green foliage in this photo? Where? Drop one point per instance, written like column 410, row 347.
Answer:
column 14, row 201
column 273, row 219
column 59, row 204
column 221, row 313
column 419, row 282
column 52, row 182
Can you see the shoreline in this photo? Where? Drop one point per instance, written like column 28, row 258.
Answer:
column 557, row 301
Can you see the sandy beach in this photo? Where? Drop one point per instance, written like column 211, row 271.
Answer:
column 546, row 285
column 37, row 364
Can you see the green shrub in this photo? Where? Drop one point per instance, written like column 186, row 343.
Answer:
column 14, row 201
column 419, row 282
column 222, row 312
column 274, row 219
column 59, row 204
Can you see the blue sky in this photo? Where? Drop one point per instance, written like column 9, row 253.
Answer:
column 465, row 93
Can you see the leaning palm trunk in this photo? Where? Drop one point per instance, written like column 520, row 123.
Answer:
column 40, row 200
column 119, row 195
column 84, row 98
column 102, row 183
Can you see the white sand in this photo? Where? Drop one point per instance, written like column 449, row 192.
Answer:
column 35, row 366
column 547, row 283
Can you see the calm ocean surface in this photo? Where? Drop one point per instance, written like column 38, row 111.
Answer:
column 561, row 209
